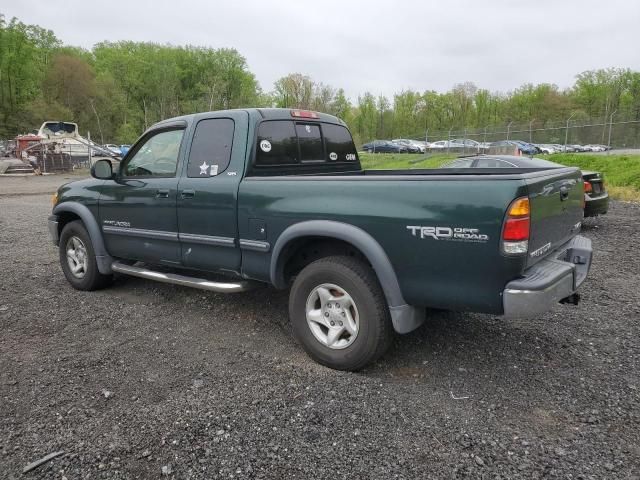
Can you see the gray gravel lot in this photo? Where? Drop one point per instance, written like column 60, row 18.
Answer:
column 147, row 380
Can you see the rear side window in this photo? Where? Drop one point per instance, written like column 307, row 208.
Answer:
column 339, row 143
column 211, row 148
column 277, row 143
column 285, row 142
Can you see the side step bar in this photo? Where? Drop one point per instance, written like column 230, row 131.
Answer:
column 201, row 283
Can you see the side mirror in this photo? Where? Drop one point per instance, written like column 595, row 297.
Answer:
column 102, row 170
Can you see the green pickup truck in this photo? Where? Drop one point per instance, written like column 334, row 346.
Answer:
column 225, row 200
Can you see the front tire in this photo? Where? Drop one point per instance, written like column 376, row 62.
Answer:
column 78, row 259
column 339, row 314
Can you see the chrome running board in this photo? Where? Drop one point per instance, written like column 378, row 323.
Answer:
column 201, row 283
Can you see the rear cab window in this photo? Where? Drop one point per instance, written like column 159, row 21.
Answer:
column 303, row 146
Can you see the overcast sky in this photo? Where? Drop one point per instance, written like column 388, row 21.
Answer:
column 377, row 46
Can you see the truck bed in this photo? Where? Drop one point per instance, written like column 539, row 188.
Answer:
column 386, row 203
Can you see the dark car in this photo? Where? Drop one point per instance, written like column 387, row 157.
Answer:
column 596, row 198
column 410, row 145
column 523, row 147
column 384, row 146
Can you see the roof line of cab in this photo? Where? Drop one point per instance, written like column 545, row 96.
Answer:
column 263, row 113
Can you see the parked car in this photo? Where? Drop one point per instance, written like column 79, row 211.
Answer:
column 383, row 146
column 564, row 148
column 290, row 206
column 580, row 148
column 446, row 144
column 413, row 146
column 469, row 143
column 124, row 149
column 596, row 197
column 547, row 148
column 523, row 147
column 114, row 148
column 596, row 148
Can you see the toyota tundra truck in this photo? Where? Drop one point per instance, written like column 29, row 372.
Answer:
column 224, row 201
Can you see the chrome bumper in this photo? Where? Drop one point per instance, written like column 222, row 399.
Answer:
column 53, row 229
column 543, row 285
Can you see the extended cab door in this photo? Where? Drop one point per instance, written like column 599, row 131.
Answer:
column 138, row 208
column 208, row 192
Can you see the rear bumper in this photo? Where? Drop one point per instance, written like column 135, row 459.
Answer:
column 53, row 229
column 596, row 205
column 543, row 285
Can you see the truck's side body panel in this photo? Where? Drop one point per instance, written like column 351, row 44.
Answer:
column 438, row 271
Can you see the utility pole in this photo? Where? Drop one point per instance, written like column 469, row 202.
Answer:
column 530, row 125
column 89, row 149
column 610, row 126
column 464, row 142
column 566, row 132
column 509, row 130
column 449, row 141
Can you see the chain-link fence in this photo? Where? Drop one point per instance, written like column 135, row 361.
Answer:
column 613, row 131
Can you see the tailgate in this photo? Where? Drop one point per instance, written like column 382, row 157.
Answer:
column 556, row 210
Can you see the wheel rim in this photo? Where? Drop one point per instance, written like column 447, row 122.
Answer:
column 332, row 316
column 77, row 257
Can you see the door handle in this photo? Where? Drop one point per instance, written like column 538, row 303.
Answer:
column 188, row 193
column 162, row 193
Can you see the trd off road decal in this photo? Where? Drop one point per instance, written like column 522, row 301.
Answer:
column 458, row 234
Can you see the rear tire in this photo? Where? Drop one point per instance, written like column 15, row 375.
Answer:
column 339, row 314
column 78, row 259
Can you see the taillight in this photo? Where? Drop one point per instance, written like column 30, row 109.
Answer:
column 517, row 227
column 303, row 114
column 588, row 188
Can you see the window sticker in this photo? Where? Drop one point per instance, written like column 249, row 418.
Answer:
column 203, row 168
column 265, row 146
column 214, row 170
column 333, row 156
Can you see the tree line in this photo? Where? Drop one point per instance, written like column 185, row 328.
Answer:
column 117, row 89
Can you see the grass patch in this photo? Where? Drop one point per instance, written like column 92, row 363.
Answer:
column 621, row 172
column 401, row 161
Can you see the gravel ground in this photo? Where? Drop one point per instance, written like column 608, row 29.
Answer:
column 147, row 380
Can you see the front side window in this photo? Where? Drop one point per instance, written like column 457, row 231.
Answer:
column 211, row 148
column 157, row 157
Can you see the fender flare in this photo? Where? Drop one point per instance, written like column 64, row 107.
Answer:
column 404, row 317
column 103, row 259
